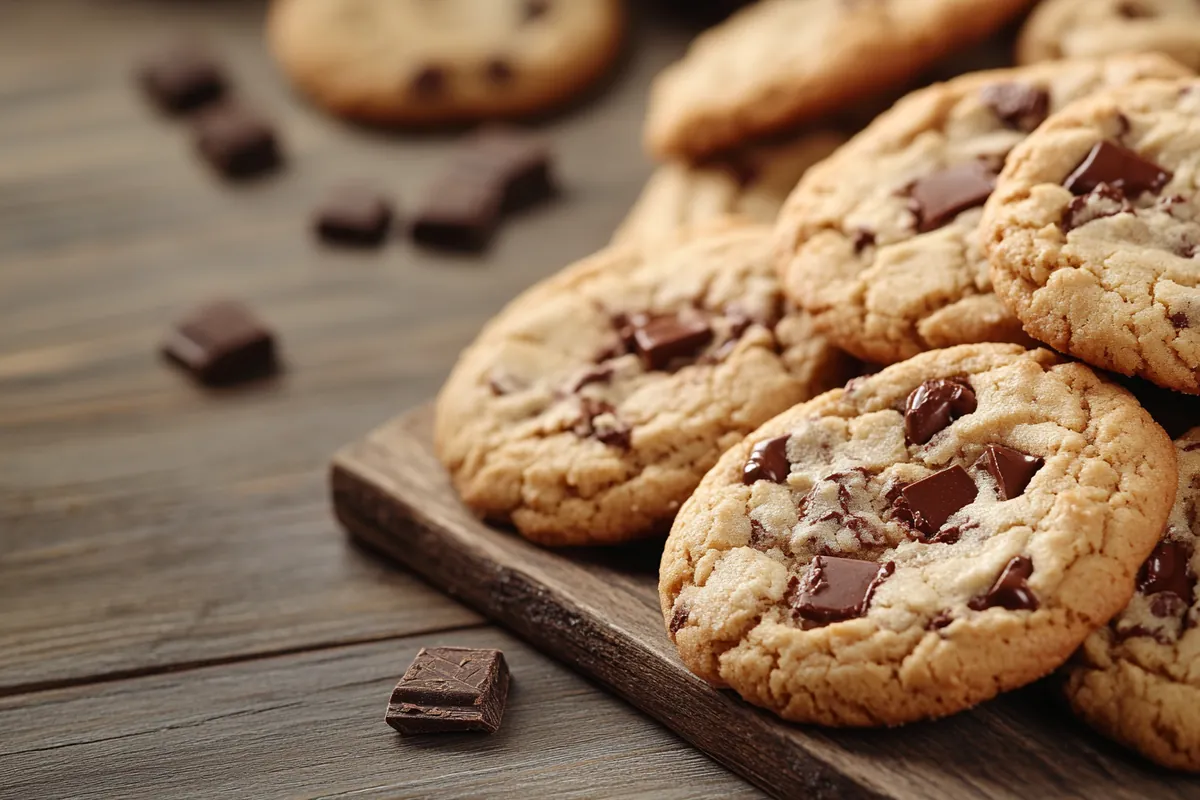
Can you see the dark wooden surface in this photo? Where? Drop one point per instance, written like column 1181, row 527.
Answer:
column 599, row 611
column 179, row 613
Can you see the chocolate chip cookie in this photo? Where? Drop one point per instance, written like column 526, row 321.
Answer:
column 1093, row 232
column 590, row 408
column 778, row 63
column 416, row 62
column 1135, row 680
column 751, row 183
column 1089, row 28
column 927, row 537
column 880, row 241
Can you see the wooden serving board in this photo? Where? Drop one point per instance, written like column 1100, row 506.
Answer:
column 597, row 611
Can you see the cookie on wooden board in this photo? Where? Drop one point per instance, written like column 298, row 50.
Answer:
column 590, row 408
column 422, row 62
column 1094, row 228
column 944, row 530
column 752, row 183
column 880, row 242
column 778, row 63
column 1136, row 679
column 1090, row 28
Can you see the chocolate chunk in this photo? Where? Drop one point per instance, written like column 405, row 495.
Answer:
column 1010, row 590
column 768, row 462
column 940, row 620
column 939, row 198
column 934, row 500
column 679, row 618
column 935, row 404
column 1119, row 167
column 862, row 239
column 519, row 162
column 835, row 589
column 461, row 212
column 611, row 432
column 499, row 71
column 1103, row 201
column 1020, row 105
column 449, row 690
column 1010, row 469
column 535, row 9
column 601, row 373
column 1134, row 10
column 758, row 535
column 354, row 216
column 1180, row 321
column 182, row 78
column 1166, row 570
column 236, row 142
column 661, row 340
column 429, row 82
column 222, row 342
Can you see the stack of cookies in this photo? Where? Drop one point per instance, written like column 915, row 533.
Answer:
column 983, row 501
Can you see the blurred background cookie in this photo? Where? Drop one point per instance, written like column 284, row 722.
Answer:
column 415, row 62
column 1080, row 28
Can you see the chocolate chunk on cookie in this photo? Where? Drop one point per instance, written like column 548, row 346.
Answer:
column 836, row 572
column 590, row 408
column 1093, row 229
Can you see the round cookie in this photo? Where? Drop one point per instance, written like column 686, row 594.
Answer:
column 778, row 63
column 590, row 408
column 751, row 183
column 944, row 530
column 1090, row 28
column 1135, row 680
column 416, row 62
column 880, row 242
column 1093, row 229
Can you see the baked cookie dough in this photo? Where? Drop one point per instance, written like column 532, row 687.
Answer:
column 590, row 408
column 1090, row 28
column 1136, row 680
column 1093, row 232
column 880, row 242
column 778, row 63
column 751, row 183
column 944, row 530
column 416, row 62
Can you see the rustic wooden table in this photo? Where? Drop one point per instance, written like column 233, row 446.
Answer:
column 179, row 614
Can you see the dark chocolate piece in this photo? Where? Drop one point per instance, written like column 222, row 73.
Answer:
column 934, row 500
column 661, row 340
column 221, row 343
column 613, row 433
column 450, row 690
column 460, row 213
column 862, row 239
column 534, row 9
column 601, row 373
column 354, row 216
column 935, row 404
column 1010, row 469
column 1119, row 167
column 1166, row 570
column 1011, row 590
column 835, row 589
column 768, row 462
column 942, row 196
column 1179, row 321
column 679, row 618
column 429, row 82
column 1020, row 105
column 236, row 142
column 1133, row 10
column 499, row 71
column 519, row 162
column 1103, row 201
column 182, row 78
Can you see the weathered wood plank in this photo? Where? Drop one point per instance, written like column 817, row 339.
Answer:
column 600, row 615
column 312, row 726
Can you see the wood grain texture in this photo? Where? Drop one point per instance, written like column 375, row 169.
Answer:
column 599, row 612
column 312, row 725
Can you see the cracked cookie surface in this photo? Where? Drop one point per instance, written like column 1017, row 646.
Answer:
column 590, row 408
column 944, row 530
column 1137, row 680
column 1093, row 231
column 414, row 62
column 880, row 242
column 1090, row 28
column 751, row 183
column 778, row 63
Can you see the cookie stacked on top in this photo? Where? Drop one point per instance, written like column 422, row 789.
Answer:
column 975, row 512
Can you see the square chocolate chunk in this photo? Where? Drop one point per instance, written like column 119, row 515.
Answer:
column 461, row 213
column 354, row 216
column 237, row 142
column 519, row 162
column 221, row 343
column 182, row 78
column 450, row 689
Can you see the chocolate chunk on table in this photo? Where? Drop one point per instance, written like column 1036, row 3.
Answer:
column 450, row 689
column 236, row 141
column 222, row 342
column 182, row 78
column 354, row 216
column 461, row 213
